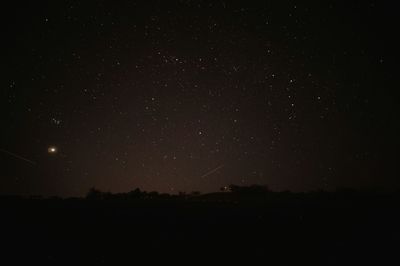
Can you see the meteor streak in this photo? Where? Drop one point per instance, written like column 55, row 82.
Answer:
column 212, row 171
column 18, row 156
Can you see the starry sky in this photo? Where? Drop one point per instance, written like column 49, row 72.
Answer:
column 195, row 95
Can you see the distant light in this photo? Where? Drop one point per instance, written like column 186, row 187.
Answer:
column 52, row 150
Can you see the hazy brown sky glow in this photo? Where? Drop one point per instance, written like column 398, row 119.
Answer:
column 195, row 95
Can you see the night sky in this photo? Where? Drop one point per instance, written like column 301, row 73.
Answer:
column 195, row 95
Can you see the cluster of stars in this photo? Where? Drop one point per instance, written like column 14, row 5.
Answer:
column 147, row 96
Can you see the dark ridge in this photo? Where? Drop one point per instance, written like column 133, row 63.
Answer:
column 344, row 227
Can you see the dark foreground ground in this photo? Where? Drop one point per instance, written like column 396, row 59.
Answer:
column 275, row 229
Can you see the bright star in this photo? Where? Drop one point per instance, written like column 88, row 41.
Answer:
column 52, row 150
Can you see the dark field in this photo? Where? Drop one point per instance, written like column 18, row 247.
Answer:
column 273, row 228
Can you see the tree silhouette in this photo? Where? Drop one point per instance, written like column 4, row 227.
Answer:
column 94, row 193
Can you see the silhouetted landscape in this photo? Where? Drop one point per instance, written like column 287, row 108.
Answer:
column 345, row 227
column 197, row 131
